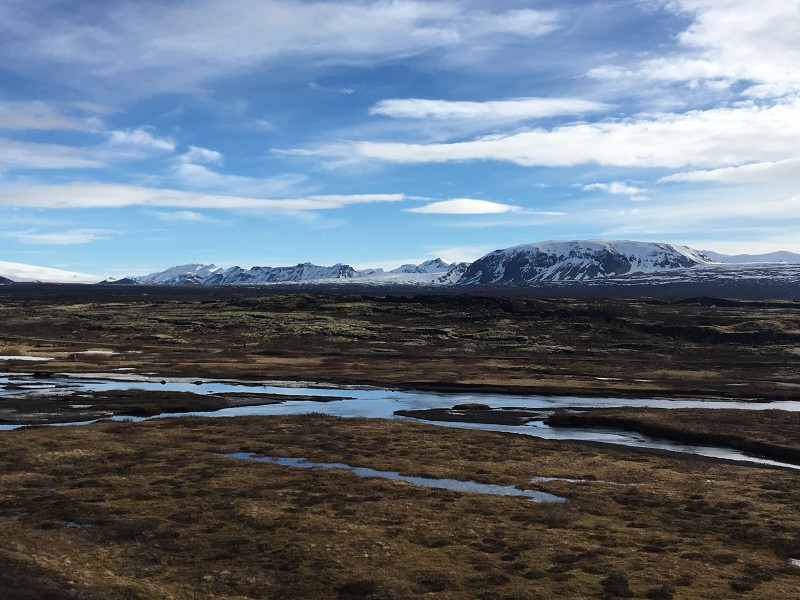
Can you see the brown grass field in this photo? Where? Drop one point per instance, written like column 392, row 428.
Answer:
column 149, row 510
column 163, row 517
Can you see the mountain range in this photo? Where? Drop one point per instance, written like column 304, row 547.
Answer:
column 550, row 262
column 587, row 262
column 430, row 272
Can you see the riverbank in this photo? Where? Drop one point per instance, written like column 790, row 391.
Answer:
column 772, row 434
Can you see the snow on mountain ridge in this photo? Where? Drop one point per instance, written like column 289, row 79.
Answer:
column 180, row 274
column 436, row 265
column 578, row 260
column 549, row 261
column 429, row 272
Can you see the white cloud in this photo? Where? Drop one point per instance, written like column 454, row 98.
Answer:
column 773, row 241
column 461, row 253
column 687, row 214
column 38, row 115
column 151, row 46
column 15, row 154
column 23, row 272
column 764, row 172
column 60, row 238
column 139, row 139
column 119, row 146
column 186, row 216
column 200, row 177
column 513, row 109
column 187, row 171
column 703, row 138
column 729, row 41
column 102, row 195
column 464, row 206
column 346, row 91
column 196, row 154
column 614, row 187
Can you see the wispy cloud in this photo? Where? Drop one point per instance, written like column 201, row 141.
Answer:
column 181, row 216
column 345, row 91
column 37, row 114
column 763, row 172
column 614, row 187
column 176, row 47
column 188, row 173
column 510, row 110
column 728, row 42
column 709, row 138
column 139, row 140
column 197, row 154
column 60, row 238
column 102, row 195
column 461, row 253
column 464, row 206
column 119, row 146
column 15, row 154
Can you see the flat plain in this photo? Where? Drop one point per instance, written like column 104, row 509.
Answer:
column 151, row 509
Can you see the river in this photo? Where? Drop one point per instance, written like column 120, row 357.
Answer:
column 370, row 402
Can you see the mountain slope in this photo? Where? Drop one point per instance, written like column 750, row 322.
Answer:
column 577, row 261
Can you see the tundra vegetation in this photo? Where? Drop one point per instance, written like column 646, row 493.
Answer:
column 151, row 510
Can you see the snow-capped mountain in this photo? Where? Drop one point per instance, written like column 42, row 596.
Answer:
column 181, row 275
column 555, row 263
column 790, row 258
column 430, row 272
column 577, row 261
column 437, row 265
column 301, row 272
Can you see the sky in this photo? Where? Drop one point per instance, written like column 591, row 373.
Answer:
column 135, row 136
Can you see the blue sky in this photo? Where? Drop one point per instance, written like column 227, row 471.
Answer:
column 135, row 135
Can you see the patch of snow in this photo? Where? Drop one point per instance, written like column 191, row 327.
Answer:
column 27, row 358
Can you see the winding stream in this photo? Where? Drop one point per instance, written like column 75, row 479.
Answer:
column 382, row 403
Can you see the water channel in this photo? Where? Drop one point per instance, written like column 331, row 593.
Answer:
column 457, row 485
column 358, row 401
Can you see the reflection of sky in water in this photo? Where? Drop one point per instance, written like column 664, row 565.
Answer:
column 378, row 403
column 443, row 484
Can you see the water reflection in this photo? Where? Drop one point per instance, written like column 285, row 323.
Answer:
column 369, row 402
column 443, row 484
